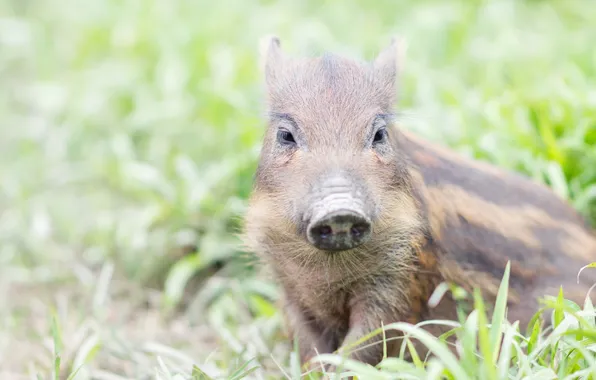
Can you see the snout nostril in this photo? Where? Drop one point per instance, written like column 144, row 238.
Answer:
column 324, row 231
column 359, row 229
column 339, row 231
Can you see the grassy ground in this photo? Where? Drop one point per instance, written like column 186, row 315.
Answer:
column 130, row 131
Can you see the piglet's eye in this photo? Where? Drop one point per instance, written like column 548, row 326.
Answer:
column 380, row 136
column 285, row 137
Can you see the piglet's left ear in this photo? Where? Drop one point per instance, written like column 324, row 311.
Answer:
column 388, row 65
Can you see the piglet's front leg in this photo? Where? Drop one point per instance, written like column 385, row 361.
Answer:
column 364, row 319
column 312, row 339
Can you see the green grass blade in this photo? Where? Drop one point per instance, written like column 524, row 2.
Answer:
column 57, row 339
column 505, row 357
column 559, row 313
column 484, row 338
column 499, row 313
column 240, row 372
column 435, row 346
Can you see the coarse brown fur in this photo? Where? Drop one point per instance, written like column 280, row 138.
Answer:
column 438, row 216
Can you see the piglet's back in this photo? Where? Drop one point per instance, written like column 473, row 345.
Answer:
column 481, row 216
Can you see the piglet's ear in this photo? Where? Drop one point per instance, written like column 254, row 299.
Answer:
column 388, row 66
column 271, row 58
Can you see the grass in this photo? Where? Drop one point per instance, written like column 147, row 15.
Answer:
column 130, row 132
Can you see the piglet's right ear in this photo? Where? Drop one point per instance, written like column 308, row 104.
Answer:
column 271, row 57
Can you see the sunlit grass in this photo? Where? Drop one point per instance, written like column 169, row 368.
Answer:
column 129, row 136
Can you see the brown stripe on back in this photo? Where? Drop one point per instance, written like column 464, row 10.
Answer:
column 440, row 166
column 452, row 208
column 480, row 237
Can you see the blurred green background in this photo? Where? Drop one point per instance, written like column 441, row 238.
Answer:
column 130, row 132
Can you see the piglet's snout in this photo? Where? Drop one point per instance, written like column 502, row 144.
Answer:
column 339, row 230
column 338, row 218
